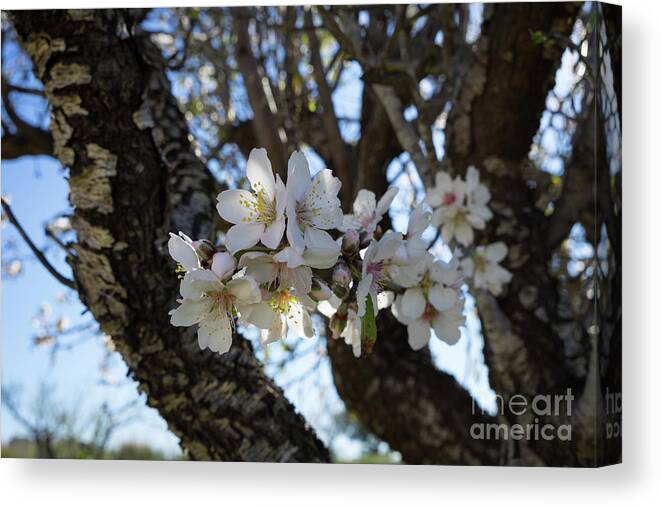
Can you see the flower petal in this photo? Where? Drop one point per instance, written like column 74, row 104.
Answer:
column 447, row 328
column 244, row 289
column 189, row 312
column 237, row 206
column 242, row 236
column 299, row 278
column 290, row 257
column 260, row 315
column 299, row 321
column 275, row 332
column 183, row 252
column 464, row 233
column 294, row 231
column 260, row 173
column 397, row 311
column 472, row 178
column 387, row 246
column 298, row 176
column 384, row 203
column 280, row 196
column 197, row 282
column 216, row 334
column 442, row 298
column 496, row 252
column 362, row 291
column 419, row 220
column 321, row 199
column 413, row 303
column 385, row 299
column 321, row 250
column 364, row 206
column 273, row 233
column 419, row 334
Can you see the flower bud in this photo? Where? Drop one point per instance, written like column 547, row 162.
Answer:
column 204, row 249
column 342, row 274
column 366, row 239
column 320, row 291
column 223, row 265
column 350, row 242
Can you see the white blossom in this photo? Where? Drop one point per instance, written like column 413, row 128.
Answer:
column 376, row 262
column 301, row 267
column 459, row 207
column 274, row 273
column 212, row 303
column 367, row 212
column 312, row 206
column 258, row 215
column 286, row 310
column 477, row 195
column 435, row 304
column 484, row 267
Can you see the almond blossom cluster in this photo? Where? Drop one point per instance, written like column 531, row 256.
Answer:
column 291, row 251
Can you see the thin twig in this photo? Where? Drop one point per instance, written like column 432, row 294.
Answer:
column 65, row 248
column 38, row 253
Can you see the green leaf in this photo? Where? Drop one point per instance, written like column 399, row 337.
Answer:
column 537, row 36
column 368, row 327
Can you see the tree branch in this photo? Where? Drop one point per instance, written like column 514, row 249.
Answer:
column 267, row 127
column 37, row 253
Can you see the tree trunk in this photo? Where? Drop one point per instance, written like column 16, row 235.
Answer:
column 133, row 179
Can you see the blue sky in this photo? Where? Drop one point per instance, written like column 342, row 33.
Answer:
column 75, row 374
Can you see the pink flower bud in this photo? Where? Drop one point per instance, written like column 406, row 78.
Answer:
column 350, row 242
column 205, row 249
column 223, row 265
column 342, row 274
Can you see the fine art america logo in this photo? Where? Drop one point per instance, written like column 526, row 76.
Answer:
column 536, row 412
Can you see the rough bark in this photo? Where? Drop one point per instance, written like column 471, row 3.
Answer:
column 534, row 343
column 133, row 179
column 403, row 399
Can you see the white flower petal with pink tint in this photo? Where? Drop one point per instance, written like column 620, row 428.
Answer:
column 223, row 265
